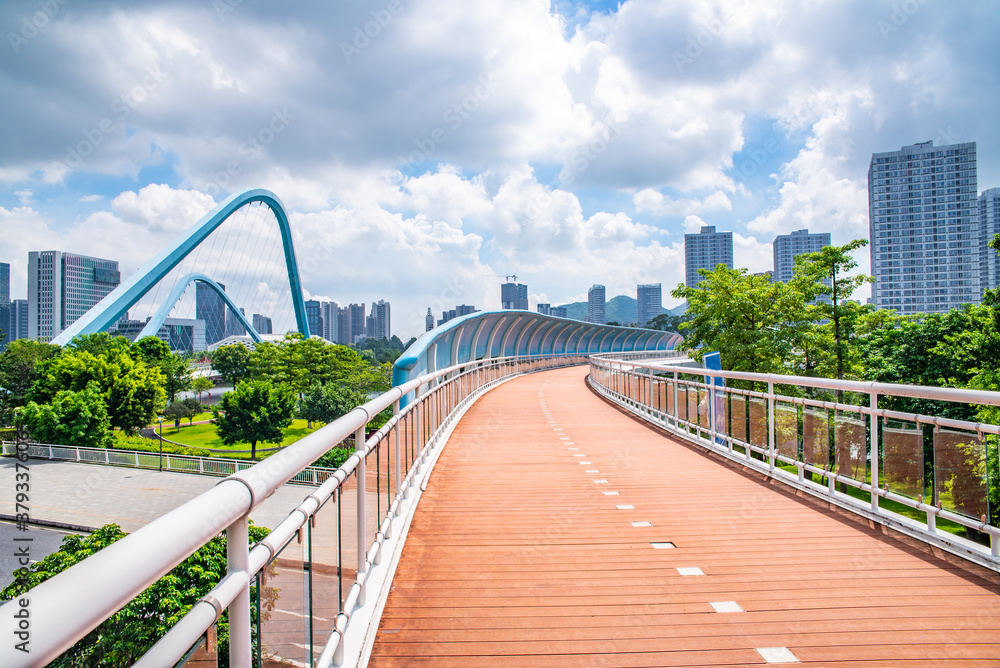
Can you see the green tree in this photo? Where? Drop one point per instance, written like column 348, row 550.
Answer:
column 152, row 350
column 21, row 365
column 231, row 362
column 176, row 374
column 833, row 263
column 668, row 322
column 123, row 638
column 102, row 344
column 132, row 391
column 757, row 326
column 326, row 403
column 255, row 411
column 201, row 384
column 71, row 418
column 180, row 410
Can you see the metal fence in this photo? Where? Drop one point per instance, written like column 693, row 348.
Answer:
column 139, row 459
column 315, row 563
column 818, row 434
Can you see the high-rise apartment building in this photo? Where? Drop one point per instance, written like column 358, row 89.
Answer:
column 328, row 312
column 596, row 305
column 5, row 328
column 514, row 296
column 261, row 323
column 356, row 323
column 706, row 250
column 925, row 228
column 4, row 283
column 989, row 222
column 211, row 308
column 380, row 320
column 789, row 246
column 64, row 286
column 545, row 309
column 558, row 311
column 649, row 302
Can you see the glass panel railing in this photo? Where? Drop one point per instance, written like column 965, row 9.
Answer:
column 284, row 623
column 816, row 437
column 738, row 417
column 786, row 430
column 347, row 513
column 326, row 586
column 850, row 441
column 758, row 423
column 960, row 473
column 903, row 458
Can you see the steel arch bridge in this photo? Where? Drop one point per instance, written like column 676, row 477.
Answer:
column 111, row 308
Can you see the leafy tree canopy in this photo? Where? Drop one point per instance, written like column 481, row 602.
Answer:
column 256, row 411
column 129, row 633
column 326, row 403
column 71, row 418
column 232, row 361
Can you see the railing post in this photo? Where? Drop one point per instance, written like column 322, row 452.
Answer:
column 238, row 559
column 359, row 447
column 397, row 471
column 677, row 407
column 874, row 450
column 770, row 424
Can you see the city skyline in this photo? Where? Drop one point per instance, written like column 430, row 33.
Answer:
column 580, row 150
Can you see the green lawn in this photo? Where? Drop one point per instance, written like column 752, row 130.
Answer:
column 203, row 436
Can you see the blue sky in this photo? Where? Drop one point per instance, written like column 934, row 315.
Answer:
column 570, row 143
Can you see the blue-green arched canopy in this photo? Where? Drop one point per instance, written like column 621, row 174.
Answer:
column 509, row 333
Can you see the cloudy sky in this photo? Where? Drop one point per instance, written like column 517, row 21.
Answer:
column 422, row 145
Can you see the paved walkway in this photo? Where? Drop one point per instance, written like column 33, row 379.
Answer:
column 557, row 531
column 92, row 495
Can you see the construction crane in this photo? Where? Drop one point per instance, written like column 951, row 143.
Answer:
column 506, row 277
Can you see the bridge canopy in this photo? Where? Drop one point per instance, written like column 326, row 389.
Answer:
column 509, row 333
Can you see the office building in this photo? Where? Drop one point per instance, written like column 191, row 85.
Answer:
column 261, row 323
column 210, row 308
column 5, row 328
column 989, row 221
column 558, row 311
column 4, row 283
column 446, row 316
column 429, row 320
column 17, row 312
column 64, row 286
column 314, row 317
column 233, row 325
column 649, row 302
column 186, row 334
column 514, row 296
column 596, row 305
column 466, row 309
column 925, row 228
column 789, row 246
column 706, row 250
column 545, row 309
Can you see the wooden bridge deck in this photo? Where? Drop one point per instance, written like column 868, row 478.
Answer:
column 520, row 554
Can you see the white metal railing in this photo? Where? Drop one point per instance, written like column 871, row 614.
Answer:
column 141, row 459
column 369, row 487
column 770, row 432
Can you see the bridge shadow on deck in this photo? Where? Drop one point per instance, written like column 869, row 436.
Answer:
column 558, row 530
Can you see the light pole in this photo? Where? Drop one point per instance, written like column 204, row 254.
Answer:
column 159, row 418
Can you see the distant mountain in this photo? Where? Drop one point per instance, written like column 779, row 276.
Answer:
column 621, row 309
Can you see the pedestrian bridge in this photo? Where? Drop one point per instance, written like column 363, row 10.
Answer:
column 585, row 509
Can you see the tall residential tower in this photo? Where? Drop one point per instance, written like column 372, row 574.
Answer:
column 706, row 250
column 924, row 227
